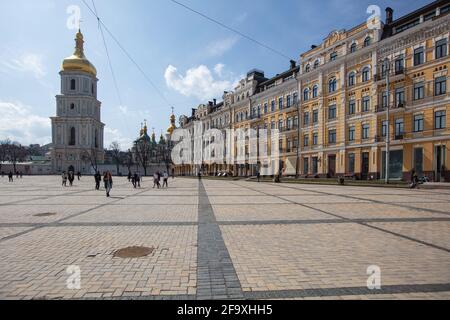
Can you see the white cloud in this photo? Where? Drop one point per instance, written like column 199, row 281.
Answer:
column 19, row 124
column 112, row 135
column 27, row 63
column 198, row 82
column 219, row 47
column 123, row 109
column 218, row 69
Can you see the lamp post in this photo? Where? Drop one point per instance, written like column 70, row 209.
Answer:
column 387, row 67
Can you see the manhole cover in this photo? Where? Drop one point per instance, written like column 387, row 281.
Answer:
column 45, row 214
column 133, row 252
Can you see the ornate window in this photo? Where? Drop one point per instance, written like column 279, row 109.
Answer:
column 72, row 137
column 367, row 42
column 351, row 79
column 365, row 74
column 315, row 91
column 306, row 94
column 307, row 68
column 353, row 47
column 332, row 85
column 316, row 64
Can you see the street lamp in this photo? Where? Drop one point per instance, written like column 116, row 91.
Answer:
column 387, row 67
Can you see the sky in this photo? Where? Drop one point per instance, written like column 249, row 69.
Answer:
column 186, row 57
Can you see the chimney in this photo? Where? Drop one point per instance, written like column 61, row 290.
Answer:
column 293, row 64
column 215, row 101
column 389, row 15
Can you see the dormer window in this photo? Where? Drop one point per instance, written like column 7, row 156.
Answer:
column 333, row 56
column 316, row 64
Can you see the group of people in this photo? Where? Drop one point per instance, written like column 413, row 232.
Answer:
column 11, row 175
column 135, row 179
column 68, row 176
column 107, row 180
column 157, row 180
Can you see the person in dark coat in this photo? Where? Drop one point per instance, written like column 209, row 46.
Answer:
column 98, row 179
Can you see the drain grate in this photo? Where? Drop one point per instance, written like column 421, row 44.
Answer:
column 45, row 214
column 133, row 252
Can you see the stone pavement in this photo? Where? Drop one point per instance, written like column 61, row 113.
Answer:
column 222, row 240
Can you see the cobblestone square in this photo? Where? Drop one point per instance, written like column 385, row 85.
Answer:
column 222, row 239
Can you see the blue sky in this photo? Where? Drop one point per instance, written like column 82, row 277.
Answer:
column 188, row 58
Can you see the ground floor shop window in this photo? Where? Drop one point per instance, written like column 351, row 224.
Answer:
column 418, row 161
column 395, row 164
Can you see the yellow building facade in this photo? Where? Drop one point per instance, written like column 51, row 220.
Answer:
column 331, row 109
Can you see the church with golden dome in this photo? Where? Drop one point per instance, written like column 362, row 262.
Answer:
column 77, row 129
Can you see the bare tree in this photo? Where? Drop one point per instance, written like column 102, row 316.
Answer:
column 91, row 156
column 129, row 160
column 16, row 153
column 143, row 150
column 4, row 149
column 116, row 154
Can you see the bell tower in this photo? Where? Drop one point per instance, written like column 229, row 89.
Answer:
column 77, row 130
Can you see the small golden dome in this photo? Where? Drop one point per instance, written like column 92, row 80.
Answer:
column 78, row 61
column 172, row 127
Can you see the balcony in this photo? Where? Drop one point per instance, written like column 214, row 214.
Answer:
column 394, row 107
column 287, row 129
column 398, row 137
column 394, row 75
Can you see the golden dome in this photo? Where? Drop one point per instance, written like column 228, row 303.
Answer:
column 172, row 127
column 78, row 61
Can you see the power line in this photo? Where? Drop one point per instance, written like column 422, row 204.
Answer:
column 113, row 74
column 129, row 56
column 232, row 29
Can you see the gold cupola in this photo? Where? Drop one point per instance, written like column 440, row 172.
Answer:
column 78, row 61
column 172, row 127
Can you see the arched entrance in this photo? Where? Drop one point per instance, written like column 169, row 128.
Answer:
column 71, row 169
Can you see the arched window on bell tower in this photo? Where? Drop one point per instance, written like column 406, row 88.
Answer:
column 72, row 84
column 72, row 137
column 96, row 138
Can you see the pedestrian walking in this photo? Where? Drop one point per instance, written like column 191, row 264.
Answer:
column 107, row 179
column 414, row 179
column 137, row 180
column 10, row 176
column 79, row 175
column 98, row 179
column 71, row 178
column 129, row 176
column 258, row 176
column 155, row 180
column 165, row 180
column 64, row 179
